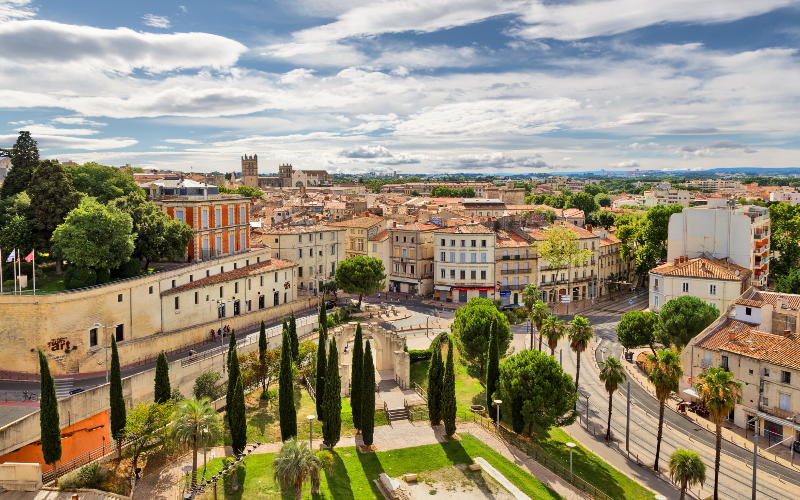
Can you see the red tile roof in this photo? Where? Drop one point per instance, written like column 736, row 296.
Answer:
column 466, row 229
column 720, row 335
column 251, row 270
column 382, row 236
column 702, row 267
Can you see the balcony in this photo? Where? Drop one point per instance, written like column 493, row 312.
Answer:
column 513, row 287
column 706, row 364
column 552, row 268
column 655, row 288
column 758, row 236
column 516, row 271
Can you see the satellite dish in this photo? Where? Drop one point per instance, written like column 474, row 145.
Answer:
column 737, row 272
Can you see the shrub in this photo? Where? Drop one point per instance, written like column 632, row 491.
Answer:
column 92, row 475
column 103, row 276
column 205, row 386
column 70, row 481
column 127, row 270
column 175, row 396
column 79, row 277
column 420, row 354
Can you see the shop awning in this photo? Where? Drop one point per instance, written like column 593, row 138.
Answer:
column 442, row 287
column 406, row 281
column 691, row 392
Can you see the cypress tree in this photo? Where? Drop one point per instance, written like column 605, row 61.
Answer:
column 49, row 421
column 262, row 355
column 161, row 388
column 332, row 425
column 323, row 317
column 24, row 161
column 322, row 366
column 234, row 372
column 293, row 337
column 435, row 379
column 449, row 394
column 356, row 379
column 368, row 398
column 284, row 324
column 492, row 369
column 286, row 410
column 237, row 418
column 231, row 347
column 117, row 416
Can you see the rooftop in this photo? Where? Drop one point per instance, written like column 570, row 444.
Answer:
column 253, row 269
column 703, row 267
column 466, row 229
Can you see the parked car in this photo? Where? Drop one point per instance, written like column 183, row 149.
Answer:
column 796, row 446
column 330, row 304
column 76, row 390
column 510, row 307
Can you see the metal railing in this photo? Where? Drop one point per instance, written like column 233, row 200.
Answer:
column 81, row 460
column 422, row 392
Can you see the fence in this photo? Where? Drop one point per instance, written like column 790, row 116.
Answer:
column 422, row 392
column 80, row 461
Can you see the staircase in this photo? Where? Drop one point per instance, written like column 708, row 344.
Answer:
column 393, row 414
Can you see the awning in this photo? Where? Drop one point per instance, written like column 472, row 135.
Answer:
column 690, row 391
column 779, row 421
column 442, row 287
column 407, row 282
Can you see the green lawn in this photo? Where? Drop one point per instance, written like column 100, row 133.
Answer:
column 469, row 390
column 354, row 472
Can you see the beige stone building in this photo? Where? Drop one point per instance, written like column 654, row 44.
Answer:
column 577, row 281
column 359, row 231
column 714, row 281
column 412, row 258
column 380, row 247
column 515, row 266
column 464, row 263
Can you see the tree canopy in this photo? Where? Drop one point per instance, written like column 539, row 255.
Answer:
column 101, row 182
column 785, row 221
column 583, row 201
column 650, row 236
column 682, row 318
column 637, row 328
column 24, row 161
column 52, row 199
column 561, row 247
column 243, row 191
column 786, row 283
column 361, row 275
column 471, row 331
column 446, row 192
column 602, row 199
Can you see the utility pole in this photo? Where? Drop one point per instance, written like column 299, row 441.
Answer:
column 755, row 457
column 628, row 421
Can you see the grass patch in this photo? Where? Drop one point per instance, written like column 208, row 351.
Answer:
column 469, row 390
column 353, row 472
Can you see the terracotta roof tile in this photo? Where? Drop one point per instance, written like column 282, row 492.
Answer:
column 253, row 269
column 362, row 222
column 466, row 229
column 382, row 236
column 702, row 267
column 720, row 335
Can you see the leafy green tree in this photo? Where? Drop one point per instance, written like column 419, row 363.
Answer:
column 17, row 233
column 117, row 398
column 612, row 373
column 295, row 340
column 286, row 409
column 637, row 328
column 785, row 221
column 95, row 236
column 161, row 387
column 157, row 235
column 441, row 192
column 786, row 283
column 250, row 192
column 368, row 398
column 435, row 381
column 205, row 386
column 49, row 421
column 493, row 368
column 52, row 199
column 361, row 275
column 538, row 391
column 231, row 348
column 553, row 330
column 101, row 182
column 594, row 189
column 24, row 160
column 471, row 328
column 237, row 418
column 580, row 334
column 466, row 192
column 296, row 462
column 147, row 430
column 686, row 468
column 19, row 204
column 602, row 199
column 262, row 356
column 332, row 425
column 322, row 368
column 664, row 371
column 449, row 394
column 357, row 375
column 529, row 296
column 582, row 201
column 682, row 318
column 193, row 420
column 234, row 372
column 561, row 248
column 720, row 393
column 538, row 314
column 603, row 219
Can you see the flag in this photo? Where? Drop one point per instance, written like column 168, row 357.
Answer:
column 10, row 257
column 29, row 257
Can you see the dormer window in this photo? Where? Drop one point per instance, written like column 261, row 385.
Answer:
column 748, row 311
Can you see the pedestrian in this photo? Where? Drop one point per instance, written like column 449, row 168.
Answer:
column 219, row 332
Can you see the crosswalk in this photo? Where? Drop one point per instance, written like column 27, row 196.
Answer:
column 63, row 386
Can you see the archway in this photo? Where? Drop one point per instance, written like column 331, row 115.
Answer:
column 388, row 354
column 299, row 184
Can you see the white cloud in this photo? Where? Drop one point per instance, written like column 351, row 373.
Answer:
column 183, row 9
column 567, row 159
column 625, row 164
column 156, row 21
column 182, row 141
column 428, row 57
column 78, row 120
column 15, row 9
column 64, row 142
column 375, row 122
column 48, row 130
column 35, row 43
column 163, row 147
column 495, row 161
column 366, row 152
column 297, row 75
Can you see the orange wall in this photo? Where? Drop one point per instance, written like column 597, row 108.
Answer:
column 76, row 440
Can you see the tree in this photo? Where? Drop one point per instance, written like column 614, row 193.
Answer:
column 580, row 333
column 157, row 235
column 357, row 375
column 24, row 160
column 294, row 464
column 368, row 401
column 686, row 468
column 602, row 199
column 332, row 425
column 231, row 348
column 538, row 391
column 293, row 337
column 553, row 330
column 19, row 204
column 471, row 328
column 17, row 233
column 117, row 399
column 361, row 275
column 234, row 372
column 612, row 373
column 52, row 199
column 95, row 236
column 603, row 218
column 786, row 283
column 637, row 328
column 582, row 201
column 435, row 381
column 449, row 394
column 538, row 314
column 250, row 192
column 493, row 368
column 323, row 460
column 101, row 182
column 682, row 318
column 192, row 420
column 529, row 297
column 720, row 393
column 651, row 236
column 237, row 418
column 147, row 430
column 594, row 189
column 161, row 387
column 561, row 248
column 205, row 386
column 49, row 420
column 785, row 221
column 322, row 368
column 664, row 372
column 262, row 356
column 286, row 409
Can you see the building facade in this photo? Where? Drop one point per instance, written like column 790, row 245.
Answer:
column 380, row 247
column 359, row 231
column 574, row 281
column 464, row 263
column 515, row 266
column 714, row 281
column 412, row 258
column 250, row 171
column 667, row 197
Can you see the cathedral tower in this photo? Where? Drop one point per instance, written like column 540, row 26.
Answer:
column 250, row 171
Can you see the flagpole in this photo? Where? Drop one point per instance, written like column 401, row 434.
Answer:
column 1, row 271
column 14, row 267
column 34, row 271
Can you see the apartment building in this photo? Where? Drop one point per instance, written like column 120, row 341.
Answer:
column 758, row 340
column 412, row 258
column 317, row 250
column 559, row 280
column 785, row 197
column 667, row 197
column 716, row 185
column 464, row 263
column 714, row 281
column 424, row 188
column 515, row 266
column 483, row 207
column 380, row 247
column 613, row 269
column 358, row 232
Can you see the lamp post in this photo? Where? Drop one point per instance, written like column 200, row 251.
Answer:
column 105, row 346
column 570, row 446
column 497, row 403
column 310, row 431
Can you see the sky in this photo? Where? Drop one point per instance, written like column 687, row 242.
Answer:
column 519, row 86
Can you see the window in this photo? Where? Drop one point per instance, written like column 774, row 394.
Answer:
column 300, row 253
column 786, row 402
column 463, row 243
column 230, row 216
column 655, row 300
column 261, row 301
column 217, row 217
column 473, row 243
column 766, row 401
column 374, row 248
column 463, row 274
column 473, row 257
column 404, row 239
column 196, row 298
column 242, row 215
column 179, row 215
column 712, row 289
column 299, row 272
column 220, row 292
column 473, row 275
column 119, row 333
column 320, row 269
column 205, row 218
column 483, row 257
column 151, row 290
column 177, row 303
column 397, row 268
column 276, row 299
column 444, row 273
column 452, row 256
column 786, row 377
column 725, row 362
column 463, row 257
column 483, row 275
column 443, row 257
column 396, row 238
column 483, row 243
column 412, row 239
column 412, row 269
column 766, row 372
column 443, row 242
column 747, row 311
column 310, row 238
column 332, row 235
column 685, row 287
column 452, row 243
column 452, row 274
column 191, row 278
column 119, row 298
column 93, row 337
column 236, row 288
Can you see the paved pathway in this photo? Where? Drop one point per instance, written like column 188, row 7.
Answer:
column 500, row 478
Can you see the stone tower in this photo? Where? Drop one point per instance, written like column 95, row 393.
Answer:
column 250, row 171
column 285, row 175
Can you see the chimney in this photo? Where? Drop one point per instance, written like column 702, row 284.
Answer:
column 677, row 260
column 786, row 333
column 731, row 336
column 589, row 227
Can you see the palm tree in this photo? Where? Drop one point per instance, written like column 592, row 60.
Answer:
column 612, row 373
column 553, row 329
column 580, row 333
column 664, row 371
column 687, row 469
column 720, row 393
column 323, row 460
column 194, row 422
column 296, row 463
column 538, row 315
column 529, row 296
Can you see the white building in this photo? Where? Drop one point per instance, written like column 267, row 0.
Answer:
column 713, row 281
column 792, row 198
column 667, row 197
column 380, row 247
column 741, row 234
column 464, row 263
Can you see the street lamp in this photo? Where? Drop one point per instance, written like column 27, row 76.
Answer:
column 570, row 446
column 105, row 346
column 310, row 431
column 497, row 403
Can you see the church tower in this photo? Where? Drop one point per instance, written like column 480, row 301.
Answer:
column 285, row 175
column 250, row 171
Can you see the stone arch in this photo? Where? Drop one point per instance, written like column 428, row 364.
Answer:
column 387, row 355
column 299, row 184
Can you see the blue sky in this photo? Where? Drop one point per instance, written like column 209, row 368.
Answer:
column 415, row 86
